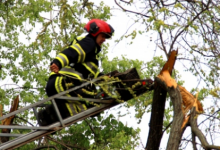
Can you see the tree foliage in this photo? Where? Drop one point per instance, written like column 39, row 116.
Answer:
column 32, row 33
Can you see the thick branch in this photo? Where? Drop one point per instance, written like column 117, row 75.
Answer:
column 156, row 121
column 176, row 131
column 158, row 107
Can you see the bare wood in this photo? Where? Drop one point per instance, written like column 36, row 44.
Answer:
column 182, row 101
column 8, row 121
column 189, row 100
column 158, row 106
column 165, row 77
column 169, row 65
column 178, row 118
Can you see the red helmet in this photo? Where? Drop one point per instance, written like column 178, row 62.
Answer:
column 96, row 26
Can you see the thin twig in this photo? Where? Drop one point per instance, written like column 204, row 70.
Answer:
column 131, row 11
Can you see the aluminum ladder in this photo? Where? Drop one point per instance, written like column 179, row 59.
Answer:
column 40, row 131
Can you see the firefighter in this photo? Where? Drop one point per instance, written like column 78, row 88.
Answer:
column 76, row 63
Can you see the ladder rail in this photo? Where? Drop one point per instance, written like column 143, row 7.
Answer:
column 10, row 135
column 48, row 128
column 39, row 132
column 48, row 99
column 88, row 99
column 58, row 112
column 23, row 139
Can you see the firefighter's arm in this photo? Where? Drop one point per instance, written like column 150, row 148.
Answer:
column 72, row 54
column 75, row 53
column 63, row 59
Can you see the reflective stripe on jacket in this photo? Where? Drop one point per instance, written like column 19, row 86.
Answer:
column 73, row 107
column 81, row 69
column 69, row 71
column 92, row 68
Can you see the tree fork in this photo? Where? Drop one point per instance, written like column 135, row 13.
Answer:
column 158, row 107
column 178, row 117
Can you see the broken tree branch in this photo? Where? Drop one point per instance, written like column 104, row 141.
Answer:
column 158, row 107
column 178, row 118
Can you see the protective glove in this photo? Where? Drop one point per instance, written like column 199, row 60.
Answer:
column 54, row 68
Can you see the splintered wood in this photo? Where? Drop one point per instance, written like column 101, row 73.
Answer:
column 167, row 70
column 165, row 76
column 188, row 100
column 170, row 62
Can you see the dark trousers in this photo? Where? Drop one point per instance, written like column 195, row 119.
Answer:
column 57, row 84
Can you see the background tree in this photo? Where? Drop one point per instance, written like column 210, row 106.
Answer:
column 192, row 27
column 32, row 33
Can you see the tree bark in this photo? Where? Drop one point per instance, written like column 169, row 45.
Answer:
column 156, row 122
column 158, row 106
column 178, row 118
column 197, row 132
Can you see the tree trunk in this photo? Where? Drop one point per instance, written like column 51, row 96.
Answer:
column 156, row 121
column 158, row 106
column 178, row 118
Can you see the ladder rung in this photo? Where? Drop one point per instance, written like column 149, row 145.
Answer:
column 24, row 127
column 88, row 99
column 48, row 99
column 9, row 135
column 36, row 134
